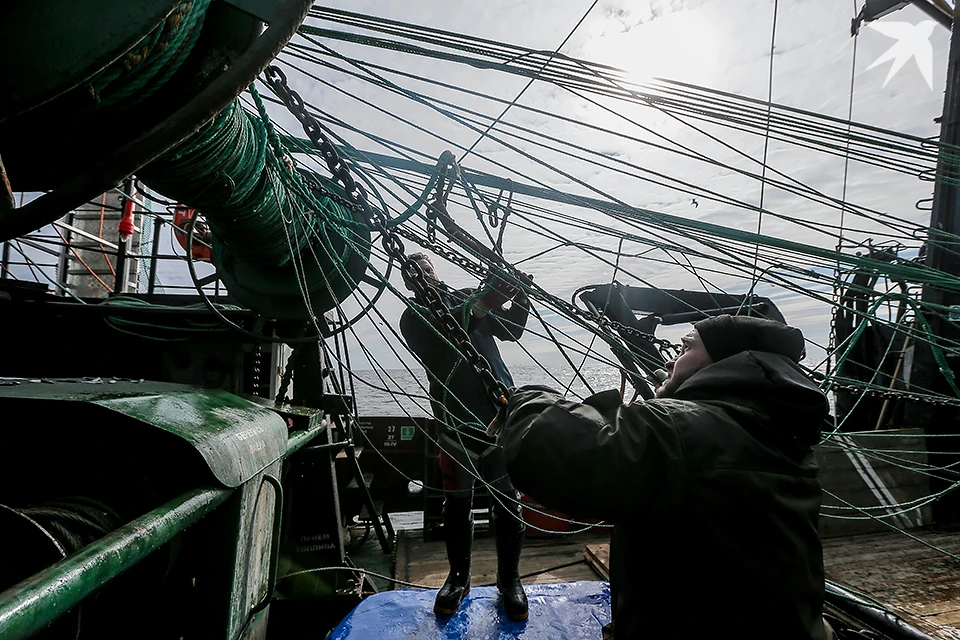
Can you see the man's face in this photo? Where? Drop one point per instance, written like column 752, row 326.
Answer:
column 693, row 358
column 428, row 273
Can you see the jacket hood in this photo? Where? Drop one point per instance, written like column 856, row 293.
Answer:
column 725, row 335
column 764, row 389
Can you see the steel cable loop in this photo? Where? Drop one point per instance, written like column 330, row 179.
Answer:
column 401, row 229
column 779, row 260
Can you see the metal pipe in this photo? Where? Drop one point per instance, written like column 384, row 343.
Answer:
column 63, row 258
column 5, row 261
column 89, row 236
column 36, row 602
column 893, row 382
column 40, row 247
column 886, row 623
column 123, row 246
column 300, row 438
column 157, row 227
column 333, row 446
column 668, row 319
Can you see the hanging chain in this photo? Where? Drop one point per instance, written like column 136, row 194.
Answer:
column 892, row 394
column 357, row 202
column 454, row 331
column 257, row 364
column 667, row 349
column 392, row 244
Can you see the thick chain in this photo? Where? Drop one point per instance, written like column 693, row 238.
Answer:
column 454, row 331
column 341, row 172
column 358, row 202
column 667, row 349
column 892, row 394
column 392, row 244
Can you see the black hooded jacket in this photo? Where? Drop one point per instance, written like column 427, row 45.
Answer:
column 713, row 494
column 457, row 394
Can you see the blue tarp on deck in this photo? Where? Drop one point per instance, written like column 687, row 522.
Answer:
column 570, row 610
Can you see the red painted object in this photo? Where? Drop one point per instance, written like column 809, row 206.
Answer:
column 181, row 218
column 542, row 522
column 126, row 227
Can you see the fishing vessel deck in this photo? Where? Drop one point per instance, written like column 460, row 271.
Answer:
column 910, row 575
column 544, row 560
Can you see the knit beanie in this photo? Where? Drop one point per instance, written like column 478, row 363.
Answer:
column 725, row 336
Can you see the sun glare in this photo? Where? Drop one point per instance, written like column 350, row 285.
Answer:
column 677, row 46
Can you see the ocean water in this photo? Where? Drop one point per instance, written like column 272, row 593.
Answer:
column 397, row 392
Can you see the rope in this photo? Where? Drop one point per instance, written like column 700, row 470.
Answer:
column 766, row 144
column 528, row 85
column 150, row 63
column 244, row 157
column 236, row 172
column 578, row 74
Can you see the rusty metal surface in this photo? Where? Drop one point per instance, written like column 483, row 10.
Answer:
column 107, row 173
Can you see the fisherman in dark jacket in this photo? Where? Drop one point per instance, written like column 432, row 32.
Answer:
column 463, row 407
column 711, row 487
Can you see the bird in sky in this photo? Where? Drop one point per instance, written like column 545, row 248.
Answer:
column 913, row 41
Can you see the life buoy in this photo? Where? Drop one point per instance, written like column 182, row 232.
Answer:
column 182, row 216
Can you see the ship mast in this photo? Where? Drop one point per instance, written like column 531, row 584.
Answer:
column 942, row 254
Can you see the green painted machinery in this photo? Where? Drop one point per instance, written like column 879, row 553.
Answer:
column 191, row 481
column 100, row 91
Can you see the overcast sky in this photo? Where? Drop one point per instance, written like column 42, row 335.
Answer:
column 723, row 44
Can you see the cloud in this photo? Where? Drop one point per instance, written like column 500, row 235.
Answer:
column 724, row 44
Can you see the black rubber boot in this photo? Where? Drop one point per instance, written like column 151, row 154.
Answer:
column 508, row 528
column 458, row 533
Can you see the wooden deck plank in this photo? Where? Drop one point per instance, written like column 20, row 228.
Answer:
column 951, row 619
column 426, row 562
column 918, row 582
column 598, row 555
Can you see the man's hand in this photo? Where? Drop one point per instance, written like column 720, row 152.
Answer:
column 499, row 291
column 527, row 280
column 496, row 425
column 502, row 289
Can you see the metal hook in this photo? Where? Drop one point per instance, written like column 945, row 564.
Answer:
column 493, row 210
